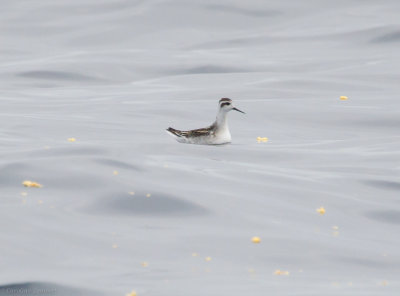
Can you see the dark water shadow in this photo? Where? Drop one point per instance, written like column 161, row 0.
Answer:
column 388, row 216
column 208, row 69
column 224, row 43
column 68, row 151
column 139, row 205
column 366, row 263
column 40, row 288
column 389, row 185
column 57, row 75
column 242, row 10
column 13, row 174
column 117, row 164
column 388, row 123
column 387, row 38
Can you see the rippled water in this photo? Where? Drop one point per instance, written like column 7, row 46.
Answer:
column 114, row 74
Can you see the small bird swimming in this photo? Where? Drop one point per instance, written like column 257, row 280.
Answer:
column 215, row 134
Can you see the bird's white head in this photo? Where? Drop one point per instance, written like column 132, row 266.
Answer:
column 226, row 105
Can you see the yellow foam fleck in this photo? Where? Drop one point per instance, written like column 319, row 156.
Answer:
column 115, row 246
column 71, row 140
column 343, row 98
column 31, row 184
column 145, row 264
column 256, row 239
column 132, row 293
column 23, row 193
column 115, row 173
column 321, row 210
column 148, row 195
column 131, row 193
column 384, row 283
column 208, row 259
column 335, row 228
column 262, row 139
column 281, row 272
column 195, row 254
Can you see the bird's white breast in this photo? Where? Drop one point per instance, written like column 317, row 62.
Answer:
column 222, row 136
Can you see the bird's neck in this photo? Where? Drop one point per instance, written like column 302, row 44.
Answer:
column 222, row 120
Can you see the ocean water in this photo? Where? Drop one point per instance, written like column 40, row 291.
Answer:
column 125, row 207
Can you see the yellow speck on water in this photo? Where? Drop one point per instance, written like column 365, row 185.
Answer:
column 208, row 259
column 40, row 202
column 195, row 254
column 23, row 193
column 321, row 210
column 115, row 173
column 131, row 193
column 145, row 264
column 262, row 139
column 132, row 293
column 31, row 184
column 71, row 140
column 148, row 195
column 281, row 272
column 256, row 239
column 252, row 270
column 115, row 246
column 343, row 98
column 384, row 283
column 335, row 228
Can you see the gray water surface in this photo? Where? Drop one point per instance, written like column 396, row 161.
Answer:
column 125, row 207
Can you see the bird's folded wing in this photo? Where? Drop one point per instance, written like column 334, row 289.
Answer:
column 198, row 132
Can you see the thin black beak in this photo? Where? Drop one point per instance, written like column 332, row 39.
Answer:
column 236, row 109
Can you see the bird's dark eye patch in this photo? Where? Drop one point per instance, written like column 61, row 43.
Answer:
column 225, row 104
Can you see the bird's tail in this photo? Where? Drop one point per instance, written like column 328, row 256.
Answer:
column 174, row 132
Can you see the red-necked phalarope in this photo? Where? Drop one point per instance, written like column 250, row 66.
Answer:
column 217, row 133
